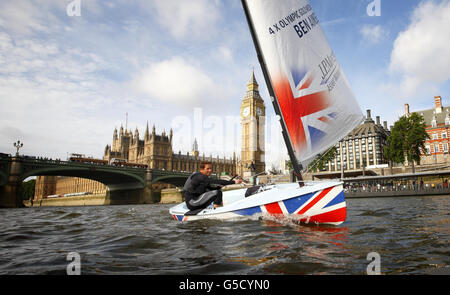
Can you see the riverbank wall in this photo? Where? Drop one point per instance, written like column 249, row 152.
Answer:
column 88, row 200
column 399, row 193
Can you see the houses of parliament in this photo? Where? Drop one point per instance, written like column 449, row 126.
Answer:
column 156, row 151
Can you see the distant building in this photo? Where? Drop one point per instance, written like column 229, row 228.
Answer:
column 361, row 148
column 437, row 121
column 156, row 151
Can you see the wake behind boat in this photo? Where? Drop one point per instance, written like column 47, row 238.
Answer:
column 314, row 203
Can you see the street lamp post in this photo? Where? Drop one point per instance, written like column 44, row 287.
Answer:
column 18, row 145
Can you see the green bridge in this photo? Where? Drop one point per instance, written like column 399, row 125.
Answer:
column 125, row 185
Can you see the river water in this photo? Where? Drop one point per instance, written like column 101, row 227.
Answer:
column 410, row 235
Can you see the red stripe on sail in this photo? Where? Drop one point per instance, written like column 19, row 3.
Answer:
column 273, row 208
column 315, row 200
column 324, row 119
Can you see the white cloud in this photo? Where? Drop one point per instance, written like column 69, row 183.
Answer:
column 421, row 54
column 372, row 34
column 225, row 53
column 175, row 81
column 187, row 19
column 48, row 95
column 21, row 17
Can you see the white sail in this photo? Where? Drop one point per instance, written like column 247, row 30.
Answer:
column 317, row 106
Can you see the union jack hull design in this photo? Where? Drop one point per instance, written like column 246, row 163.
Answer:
column 326, row 206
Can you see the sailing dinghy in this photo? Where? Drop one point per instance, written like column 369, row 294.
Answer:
column 316, row 107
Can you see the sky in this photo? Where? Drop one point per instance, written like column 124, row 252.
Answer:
column 73, row 70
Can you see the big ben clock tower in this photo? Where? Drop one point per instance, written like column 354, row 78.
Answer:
column 253, row 121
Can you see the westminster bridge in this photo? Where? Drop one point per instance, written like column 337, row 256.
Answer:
column 125, row 185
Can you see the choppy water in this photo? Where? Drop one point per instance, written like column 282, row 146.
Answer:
column 411, row 235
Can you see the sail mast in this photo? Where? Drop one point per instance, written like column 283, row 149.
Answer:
column 295, row 164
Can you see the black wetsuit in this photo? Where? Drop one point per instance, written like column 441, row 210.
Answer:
column 197, row 185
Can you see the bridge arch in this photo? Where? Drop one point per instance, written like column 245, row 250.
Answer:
column 125, row 185
column 177, row 180
column 107, row 177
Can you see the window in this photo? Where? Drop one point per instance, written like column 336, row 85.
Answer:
column 447, row 120
column 436, row 148
column 433, row 122
column 435, row 136
column 444, row 134
column 445, row 147
column 428, row 150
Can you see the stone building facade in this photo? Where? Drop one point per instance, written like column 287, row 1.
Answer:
column 156, row 151
column 61, row 185
column 45, row 186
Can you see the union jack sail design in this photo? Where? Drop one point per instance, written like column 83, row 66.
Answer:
column 316, row 103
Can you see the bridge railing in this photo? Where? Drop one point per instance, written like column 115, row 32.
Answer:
column 41, row 160
column 38, row 160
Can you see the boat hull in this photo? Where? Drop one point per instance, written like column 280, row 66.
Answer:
column 314, row 203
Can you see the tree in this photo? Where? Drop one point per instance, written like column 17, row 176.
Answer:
column 322, row 159
column 289, row 164
column 407, row 140
column 28, row 189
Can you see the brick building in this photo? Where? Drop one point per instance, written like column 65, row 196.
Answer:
column 437, row 121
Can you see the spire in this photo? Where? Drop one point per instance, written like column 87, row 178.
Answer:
column 153, row 130
column 147, row 134
column 252, row 84
column 115, row 133
column 195, row 145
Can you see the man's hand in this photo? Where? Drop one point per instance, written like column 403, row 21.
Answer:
column 238, row 180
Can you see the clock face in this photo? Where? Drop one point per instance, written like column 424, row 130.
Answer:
column 246, row 112
column 259, row 111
